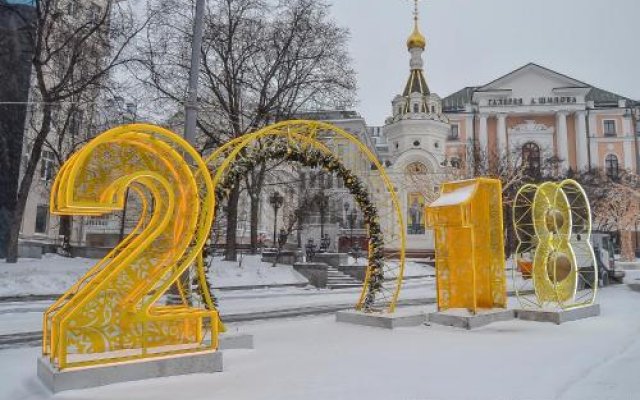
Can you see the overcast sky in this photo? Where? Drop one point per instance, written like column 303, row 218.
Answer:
column 472, row 42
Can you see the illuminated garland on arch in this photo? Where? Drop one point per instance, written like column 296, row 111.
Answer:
column 281, row 149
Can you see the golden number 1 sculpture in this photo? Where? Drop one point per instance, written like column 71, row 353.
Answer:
column 470, row 262
column 555, row 264
column 118, row 310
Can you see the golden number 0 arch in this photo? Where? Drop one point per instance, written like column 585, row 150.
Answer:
column 555, row 263
column 323, row 136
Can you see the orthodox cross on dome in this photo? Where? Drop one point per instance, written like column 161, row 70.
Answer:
column 417, row 39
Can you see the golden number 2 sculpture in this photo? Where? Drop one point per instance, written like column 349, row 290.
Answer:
column 470, row 262
column 117, row 310
column 555, row 263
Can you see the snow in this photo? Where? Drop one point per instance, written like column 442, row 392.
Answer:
column 252, row 272
column 411, row 268
column 458, row 196
column 54, row 274
column 27, row 317
column 317, row 358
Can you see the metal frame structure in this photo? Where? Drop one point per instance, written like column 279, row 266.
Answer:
column 117, row 311
column 555, row 266
column 323, row 137
column 470, row 262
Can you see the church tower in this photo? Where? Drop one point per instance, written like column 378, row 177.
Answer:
column 416, row 134
column 417, row 129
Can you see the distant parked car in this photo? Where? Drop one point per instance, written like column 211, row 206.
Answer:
column 604, row 254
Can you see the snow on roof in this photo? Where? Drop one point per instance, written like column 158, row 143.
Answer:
column 458, row 196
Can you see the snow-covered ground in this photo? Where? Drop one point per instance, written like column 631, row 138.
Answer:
column 16, row 317
column 317, row 358
column 252, row 271
column 54, row 274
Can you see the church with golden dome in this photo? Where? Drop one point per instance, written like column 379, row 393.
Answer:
column 416, row 133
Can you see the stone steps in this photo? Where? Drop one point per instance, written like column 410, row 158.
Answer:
column 339, row 280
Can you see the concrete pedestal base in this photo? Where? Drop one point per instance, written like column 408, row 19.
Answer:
column 82, row 378
column 235, row 341
column 560, row 316
column 634, row 286
column 462, row 318
column 388, row 321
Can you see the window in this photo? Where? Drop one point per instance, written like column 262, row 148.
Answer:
column 415, row 108
column 416, row 143
column 455, row 132
column 42, row 218
column 531, row 158
column 416, row 168
column 455, row 162
column 46, row 166
column 611, row 166
column 609, row 127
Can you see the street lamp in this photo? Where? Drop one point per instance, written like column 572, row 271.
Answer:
column 276, row 201
column 323, row 203
column 346, row 215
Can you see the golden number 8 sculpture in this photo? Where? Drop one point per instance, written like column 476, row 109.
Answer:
column 554, row 263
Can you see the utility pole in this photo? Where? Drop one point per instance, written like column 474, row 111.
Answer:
column 191, row 105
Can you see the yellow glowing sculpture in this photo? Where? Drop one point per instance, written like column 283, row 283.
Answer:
column 470, row 263
column 554, row 264
column 117, row 310
column 322, row 136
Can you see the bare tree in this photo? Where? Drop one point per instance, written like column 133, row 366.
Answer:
column 75, row 47
column 262, row 62
column 615, row 204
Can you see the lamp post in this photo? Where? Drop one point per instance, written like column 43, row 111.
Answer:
column 346, row 216
column 323, row 203
column 191, row 105
column 276, row 201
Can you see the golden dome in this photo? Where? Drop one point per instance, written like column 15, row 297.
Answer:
column 416, row 39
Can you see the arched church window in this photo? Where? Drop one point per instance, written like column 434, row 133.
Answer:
column 415, row 108
column 433, row 109
column 611, row 166
column 531, row 158
column 416, row 168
